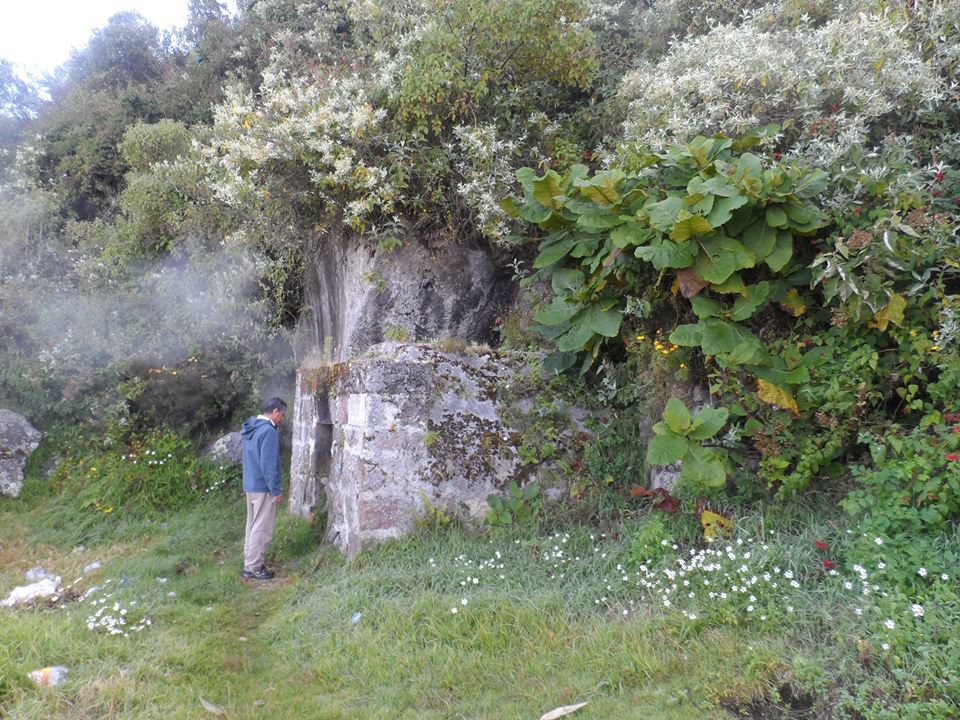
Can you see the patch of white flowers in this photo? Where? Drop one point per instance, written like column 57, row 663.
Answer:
column 484, row 164
column 324, row 126
column 832, row 80
column 110, row 616
column 735, row 579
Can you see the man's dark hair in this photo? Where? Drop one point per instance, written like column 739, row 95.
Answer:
column 272, row 404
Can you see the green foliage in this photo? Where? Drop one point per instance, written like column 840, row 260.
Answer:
column 912, row 488
column 520, row 506
column 433, row 517
column 679, row 438
column 710, row 211
column 470, row 55
column 144, row 144
column 132, row 476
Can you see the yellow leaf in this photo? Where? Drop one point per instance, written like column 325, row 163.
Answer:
column 793, row 303
column 715, row 525
column 892, row 312
column 776, row 395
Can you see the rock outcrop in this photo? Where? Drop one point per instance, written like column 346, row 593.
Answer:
column 226, row 450
column 359, row 294
column 18, row 438
column 413, row 429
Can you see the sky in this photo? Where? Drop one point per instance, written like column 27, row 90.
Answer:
column 38, row 35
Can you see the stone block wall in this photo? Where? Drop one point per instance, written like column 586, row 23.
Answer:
column 412, row 428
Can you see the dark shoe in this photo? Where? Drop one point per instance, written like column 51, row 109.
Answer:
column 261, row 573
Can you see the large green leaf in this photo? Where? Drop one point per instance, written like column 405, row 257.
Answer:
column 741, row 218
column 746, row 353
column 577, row 337
column 628, row 234
column 782, row 251
column 721, row 257
column 603, row 189
column 718, row 246
column 557, row 312
column 586, row 247
column 800, row 214
column 784, row 377
column 718, row 336
column 703, row 467
column 554, row 252
column 557, row 362
column 664, row 213
column 579, row 207
column 732, row 285
column 704, row 307
column 746, row 305
column 776, row 217
column 688, row 226
column 511, row 207
column 666, row 449
column 689, row 335
column 707, row 422
column 547, row 190
column 666, row 254
column 565, row 281
column 604, row 322
column 760, row 238
column 526, row 176
column 812, row 184
column 723, row 209
column 749, row 167
column 599, row 220
column 718, row 185
column 677, row 416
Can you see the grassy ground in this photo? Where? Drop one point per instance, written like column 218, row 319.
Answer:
column 458, row 625
column 518, row 647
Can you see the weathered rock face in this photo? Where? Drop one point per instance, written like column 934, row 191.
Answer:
column 358, row 295
column 414, row 428
column 227, row 450
column 18, row 438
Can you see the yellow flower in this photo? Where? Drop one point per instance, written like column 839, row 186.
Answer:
column 108, row 510
column 683, row 365
column 934, row 348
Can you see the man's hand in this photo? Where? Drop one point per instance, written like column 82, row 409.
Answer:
column 277, row 499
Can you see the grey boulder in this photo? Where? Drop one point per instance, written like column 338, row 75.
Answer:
column 18, row 439
column 227, row 450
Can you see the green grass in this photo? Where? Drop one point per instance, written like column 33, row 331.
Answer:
column 517, row 649
column 549, row 622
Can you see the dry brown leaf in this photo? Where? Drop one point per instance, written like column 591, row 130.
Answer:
column 690, row 283
column 561, row 711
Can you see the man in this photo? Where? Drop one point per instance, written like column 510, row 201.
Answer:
column 261, row 483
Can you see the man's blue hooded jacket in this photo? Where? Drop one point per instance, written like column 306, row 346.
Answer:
column 261, row 456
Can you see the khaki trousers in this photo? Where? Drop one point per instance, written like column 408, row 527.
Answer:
column 261, row 520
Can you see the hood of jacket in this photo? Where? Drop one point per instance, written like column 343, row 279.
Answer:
column 252, row 425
